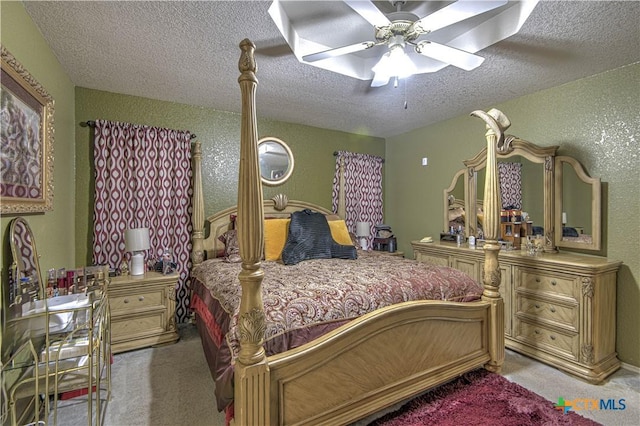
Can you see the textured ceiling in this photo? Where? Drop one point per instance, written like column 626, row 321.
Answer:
column 187, row 52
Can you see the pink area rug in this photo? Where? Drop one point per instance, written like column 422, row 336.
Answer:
column 481, row 398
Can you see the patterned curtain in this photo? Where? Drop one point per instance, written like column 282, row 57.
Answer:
column 363, row 189
column 143, row 179
column 510, row 175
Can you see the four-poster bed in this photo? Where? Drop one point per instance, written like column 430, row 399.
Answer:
column 367, row 363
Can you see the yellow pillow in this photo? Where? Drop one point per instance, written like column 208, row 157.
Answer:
column 340, row 233
column 275, row 236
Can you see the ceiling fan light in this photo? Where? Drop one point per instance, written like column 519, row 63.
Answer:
column 395, row 63
column 402, row 65
column 383, row 66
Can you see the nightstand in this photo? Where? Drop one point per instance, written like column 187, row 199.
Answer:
column 142, row 310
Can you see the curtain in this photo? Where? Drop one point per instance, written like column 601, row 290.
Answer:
column 510, row 175
column 363, row 189
column 143, row 180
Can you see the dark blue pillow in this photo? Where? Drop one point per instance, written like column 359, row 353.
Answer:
column 569, row 232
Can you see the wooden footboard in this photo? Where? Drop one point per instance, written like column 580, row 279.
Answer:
column 375, row 361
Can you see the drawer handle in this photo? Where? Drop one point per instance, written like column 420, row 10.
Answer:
column 552, row 337
column 126, row 300
column 537, row 280
column 552, row 309
column 536, row 331
column 553, row 282
column 141, row 298
column 537, row 306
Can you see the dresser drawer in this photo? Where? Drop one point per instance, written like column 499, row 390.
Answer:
column 129, row 302
column 559, row 314
column 566, row 345
column 127, row 327
column 537, row 282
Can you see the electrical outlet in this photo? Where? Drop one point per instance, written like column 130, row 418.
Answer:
column 424, row 161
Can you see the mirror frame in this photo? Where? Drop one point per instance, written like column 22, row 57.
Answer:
column 596, row 204
column 288, row 172
column 512, row 147
column 17, row 264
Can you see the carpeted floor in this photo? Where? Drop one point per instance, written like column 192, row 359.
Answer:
column 171, row 385
column 481, row 398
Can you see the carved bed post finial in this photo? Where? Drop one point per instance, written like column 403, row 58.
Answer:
column 496, row 123
column 342, row 203
column 247, row 63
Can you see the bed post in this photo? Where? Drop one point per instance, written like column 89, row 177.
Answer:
column 197, row 218
column 496, row 123
column 342, row 202
column 251, row 373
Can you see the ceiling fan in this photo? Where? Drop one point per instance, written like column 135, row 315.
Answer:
column 406, row 43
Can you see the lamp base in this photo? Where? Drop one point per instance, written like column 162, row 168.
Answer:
column 137, row 264
column 363, row 243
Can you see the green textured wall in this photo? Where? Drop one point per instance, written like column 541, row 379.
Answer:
column 595, row 120
column 219, row 133
column 54, row 230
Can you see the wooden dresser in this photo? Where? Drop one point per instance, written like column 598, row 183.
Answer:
column 560, row 308
column 142, row 310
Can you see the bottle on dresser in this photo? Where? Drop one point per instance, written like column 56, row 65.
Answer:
column 52, row 284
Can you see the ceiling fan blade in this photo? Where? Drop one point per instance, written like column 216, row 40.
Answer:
column 450, row 55
column 456, row 12
column 369, row 11
column 339, row 51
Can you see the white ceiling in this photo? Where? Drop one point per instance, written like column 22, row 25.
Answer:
column 187, row 52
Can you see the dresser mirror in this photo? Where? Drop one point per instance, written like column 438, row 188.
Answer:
column 454, row 202
column 527, row 179
column 577, row 206
column 276, row 161
column 555, row 192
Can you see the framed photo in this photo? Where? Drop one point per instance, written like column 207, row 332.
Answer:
column 26, row 141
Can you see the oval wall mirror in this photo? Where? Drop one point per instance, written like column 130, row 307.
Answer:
column 276, row 161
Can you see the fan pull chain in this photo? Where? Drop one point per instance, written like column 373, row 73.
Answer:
column 406, row 83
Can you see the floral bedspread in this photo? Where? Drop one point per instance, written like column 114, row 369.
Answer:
column 326, row 291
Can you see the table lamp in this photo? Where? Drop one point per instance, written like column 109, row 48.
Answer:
column 363, row 231
column 136, row 241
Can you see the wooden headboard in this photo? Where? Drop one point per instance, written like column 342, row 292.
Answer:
column 278, row 206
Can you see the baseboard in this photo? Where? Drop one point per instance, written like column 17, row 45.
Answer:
column 630, row 367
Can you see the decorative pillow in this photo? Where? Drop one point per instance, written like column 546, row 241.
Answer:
column 231, row 247
column 569, row 232
column 310, row 238
column 340, row 233
column 275, row 236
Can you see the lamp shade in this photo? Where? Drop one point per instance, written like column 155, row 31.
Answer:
column 136, row 239
column 363, row 229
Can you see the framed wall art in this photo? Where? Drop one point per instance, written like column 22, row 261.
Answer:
column 26, row 141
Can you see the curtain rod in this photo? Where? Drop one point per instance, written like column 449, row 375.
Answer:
column 335, row 154
column 91, row 123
